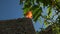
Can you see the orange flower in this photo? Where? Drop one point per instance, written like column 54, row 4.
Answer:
column 29, row 14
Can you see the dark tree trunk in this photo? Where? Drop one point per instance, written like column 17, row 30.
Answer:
column 17, row 26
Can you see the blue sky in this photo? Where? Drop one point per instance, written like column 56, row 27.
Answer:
column 10, row 9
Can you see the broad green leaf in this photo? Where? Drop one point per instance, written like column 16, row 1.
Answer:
column 45, row 23
column 27, row 5
column 48, row 9
column 37, row 14
column 25, row 10
column 49, row 12
column 34, row 10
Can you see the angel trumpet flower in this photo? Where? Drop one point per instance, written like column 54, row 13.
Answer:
column 29, row 14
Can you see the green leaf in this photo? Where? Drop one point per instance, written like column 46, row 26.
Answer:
column 37, row 14
column 25, row 10
column 45, row 23
column 34, row 10
column 27, row 5
column 49, row 12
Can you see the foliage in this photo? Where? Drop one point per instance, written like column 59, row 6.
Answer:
column 36, row 6
column 55, row 29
